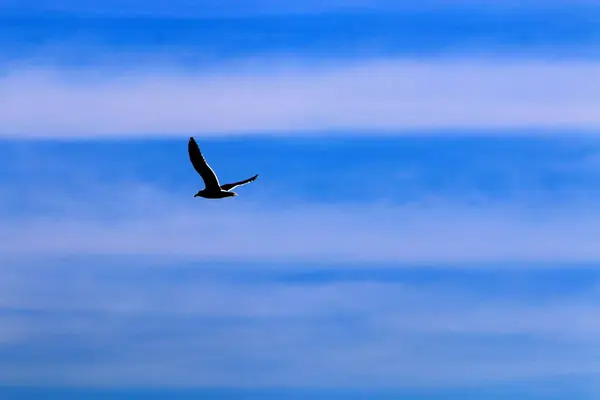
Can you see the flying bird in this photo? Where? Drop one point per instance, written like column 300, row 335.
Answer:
column 212, row 190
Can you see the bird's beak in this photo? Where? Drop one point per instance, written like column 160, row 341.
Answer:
column 196, row 195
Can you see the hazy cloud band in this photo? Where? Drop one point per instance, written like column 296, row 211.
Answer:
column 388, row 96
column 442, row 233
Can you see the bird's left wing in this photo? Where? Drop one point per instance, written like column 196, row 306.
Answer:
column 201, row 166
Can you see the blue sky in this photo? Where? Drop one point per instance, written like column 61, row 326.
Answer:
column 425, row 223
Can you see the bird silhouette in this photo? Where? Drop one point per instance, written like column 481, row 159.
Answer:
column 212, row 190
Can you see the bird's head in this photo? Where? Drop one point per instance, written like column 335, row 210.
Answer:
column 199, row 194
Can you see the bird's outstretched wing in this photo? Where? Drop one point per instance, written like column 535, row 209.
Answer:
column 229, row 186
column 201, row 166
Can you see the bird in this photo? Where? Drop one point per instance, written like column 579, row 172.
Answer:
column 212, row 190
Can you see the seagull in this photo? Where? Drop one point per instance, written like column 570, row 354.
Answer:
column 212, row 190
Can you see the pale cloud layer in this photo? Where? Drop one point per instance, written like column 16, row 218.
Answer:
column 388, row 97
column 149, row 222
column 116, row 329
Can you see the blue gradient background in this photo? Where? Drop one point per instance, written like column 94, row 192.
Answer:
column 97, row 323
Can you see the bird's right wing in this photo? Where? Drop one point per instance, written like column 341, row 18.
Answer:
column 201, row 166
column 229, row 186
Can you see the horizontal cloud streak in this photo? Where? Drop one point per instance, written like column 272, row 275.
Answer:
column 386, row 96
column 437, row 308
column 155, row 224
column 95, row 328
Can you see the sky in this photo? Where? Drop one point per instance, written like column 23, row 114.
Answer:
column 425, row 223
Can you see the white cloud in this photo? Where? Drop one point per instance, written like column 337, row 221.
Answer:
column 386, row 96
column 97, row 322
column 118, row 329
column 146, row 221
column 430, row 308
